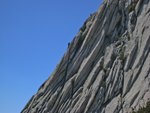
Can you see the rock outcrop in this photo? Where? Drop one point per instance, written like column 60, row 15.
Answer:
column 106, row 68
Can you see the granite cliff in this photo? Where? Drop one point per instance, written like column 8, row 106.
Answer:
column 106, row 68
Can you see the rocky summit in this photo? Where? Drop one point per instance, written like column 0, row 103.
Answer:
column 106, row 68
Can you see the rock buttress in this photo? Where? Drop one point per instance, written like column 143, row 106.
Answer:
column 106, row 68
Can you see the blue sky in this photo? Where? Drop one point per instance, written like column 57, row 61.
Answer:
column 33, row 38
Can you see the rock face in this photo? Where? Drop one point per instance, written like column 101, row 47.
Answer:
column 106, row 68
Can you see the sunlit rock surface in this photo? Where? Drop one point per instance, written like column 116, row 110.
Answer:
column 106, row 68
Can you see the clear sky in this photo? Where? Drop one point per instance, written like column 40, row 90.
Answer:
column 33, row 38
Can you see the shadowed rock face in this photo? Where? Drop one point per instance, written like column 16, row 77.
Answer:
column 106, row 68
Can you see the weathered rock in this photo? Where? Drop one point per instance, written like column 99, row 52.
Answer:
column 106, row 68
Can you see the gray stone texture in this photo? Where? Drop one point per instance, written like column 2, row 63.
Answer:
column 106, row 68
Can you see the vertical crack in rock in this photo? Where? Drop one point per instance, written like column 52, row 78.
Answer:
column 106, row 68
